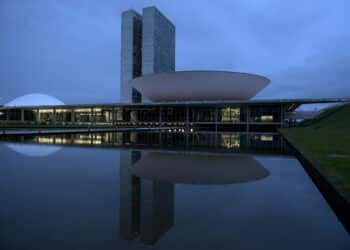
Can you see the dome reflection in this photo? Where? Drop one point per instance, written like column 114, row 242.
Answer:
column 32, row 150
column 197, row 168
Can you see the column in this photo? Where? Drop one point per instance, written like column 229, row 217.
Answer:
column 22, row 115
column 282, row 115
column 91, row 116
column 72, row 118
column 136, row 117
column 113, row 116
column 160, row 138
column 247, row 118
column 37, row 116
column 187, row 122
column 216, row 116
column 53, row 116
column 160, row 116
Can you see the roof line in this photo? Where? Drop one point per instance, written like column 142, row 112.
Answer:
column 200, row 103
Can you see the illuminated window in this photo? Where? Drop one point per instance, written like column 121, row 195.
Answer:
column 230, row 114
column 266, row 138
column 230, row 141
column 266, row 118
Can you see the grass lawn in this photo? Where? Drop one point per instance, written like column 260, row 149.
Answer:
column 326, row 139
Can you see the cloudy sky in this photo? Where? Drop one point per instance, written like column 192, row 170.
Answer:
column 71, row 49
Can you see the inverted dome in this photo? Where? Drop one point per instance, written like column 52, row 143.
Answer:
column 32, row 150
column 199, row 85
column 34, row 100
column 198, row 168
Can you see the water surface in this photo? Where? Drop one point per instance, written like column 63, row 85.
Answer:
column 141, row 191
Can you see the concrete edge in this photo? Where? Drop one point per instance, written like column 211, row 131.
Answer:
column 339, row 204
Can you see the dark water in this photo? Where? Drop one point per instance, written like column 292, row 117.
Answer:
column 151, row 191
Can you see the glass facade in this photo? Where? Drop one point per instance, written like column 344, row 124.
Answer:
column 82, row 115
column 230, row 114
column 265, row 114
column 63, row 116
column 46, row 116
column 102, row 115
column 205, row 114
column 235, row 118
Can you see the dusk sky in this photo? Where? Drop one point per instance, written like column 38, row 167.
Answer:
column 71, row 49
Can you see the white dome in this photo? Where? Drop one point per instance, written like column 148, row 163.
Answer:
column 34, row 100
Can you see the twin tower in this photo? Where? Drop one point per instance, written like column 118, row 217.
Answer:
column 147, row 47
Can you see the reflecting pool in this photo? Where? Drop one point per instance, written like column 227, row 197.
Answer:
column 160, row 190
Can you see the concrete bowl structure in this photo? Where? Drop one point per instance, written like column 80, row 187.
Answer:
column 199, row 86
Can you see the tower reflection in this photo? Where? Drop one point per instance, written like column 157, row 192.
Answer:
column 147, row 180
column 146, row 206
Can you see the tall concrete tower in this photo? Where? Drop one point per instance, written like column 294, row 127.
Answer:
column 131, row 58
column 158, row 42
column 148, row 46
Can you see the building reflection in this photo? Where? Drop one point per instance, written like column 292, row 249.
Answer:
column 198, row 168
column 146, row 206
column 151, row 163
column 160, row 139
column 148, row 179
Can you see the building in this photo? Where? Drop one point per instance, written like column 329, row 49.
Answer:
column 154, row 95
column 243, row 116
column 147, row 47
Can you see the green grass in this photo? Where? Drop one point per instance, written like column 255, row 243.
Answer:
column 324, row 136
column 322, row 116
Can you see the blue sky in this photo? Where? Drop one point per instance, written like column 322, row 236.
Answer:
column 71, row 49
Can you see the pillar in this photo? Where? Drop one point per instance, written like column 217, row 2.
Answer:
column 160, row 116
column 136, row 116
column 282, row 115
column 113, row 116
column 216, row 119
column 37, row 116
column 91, row 116
column 72, row 118
column 187, row 122
column 22, row 115
column 160, row 138
column 53, row 116
column 247, row 118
